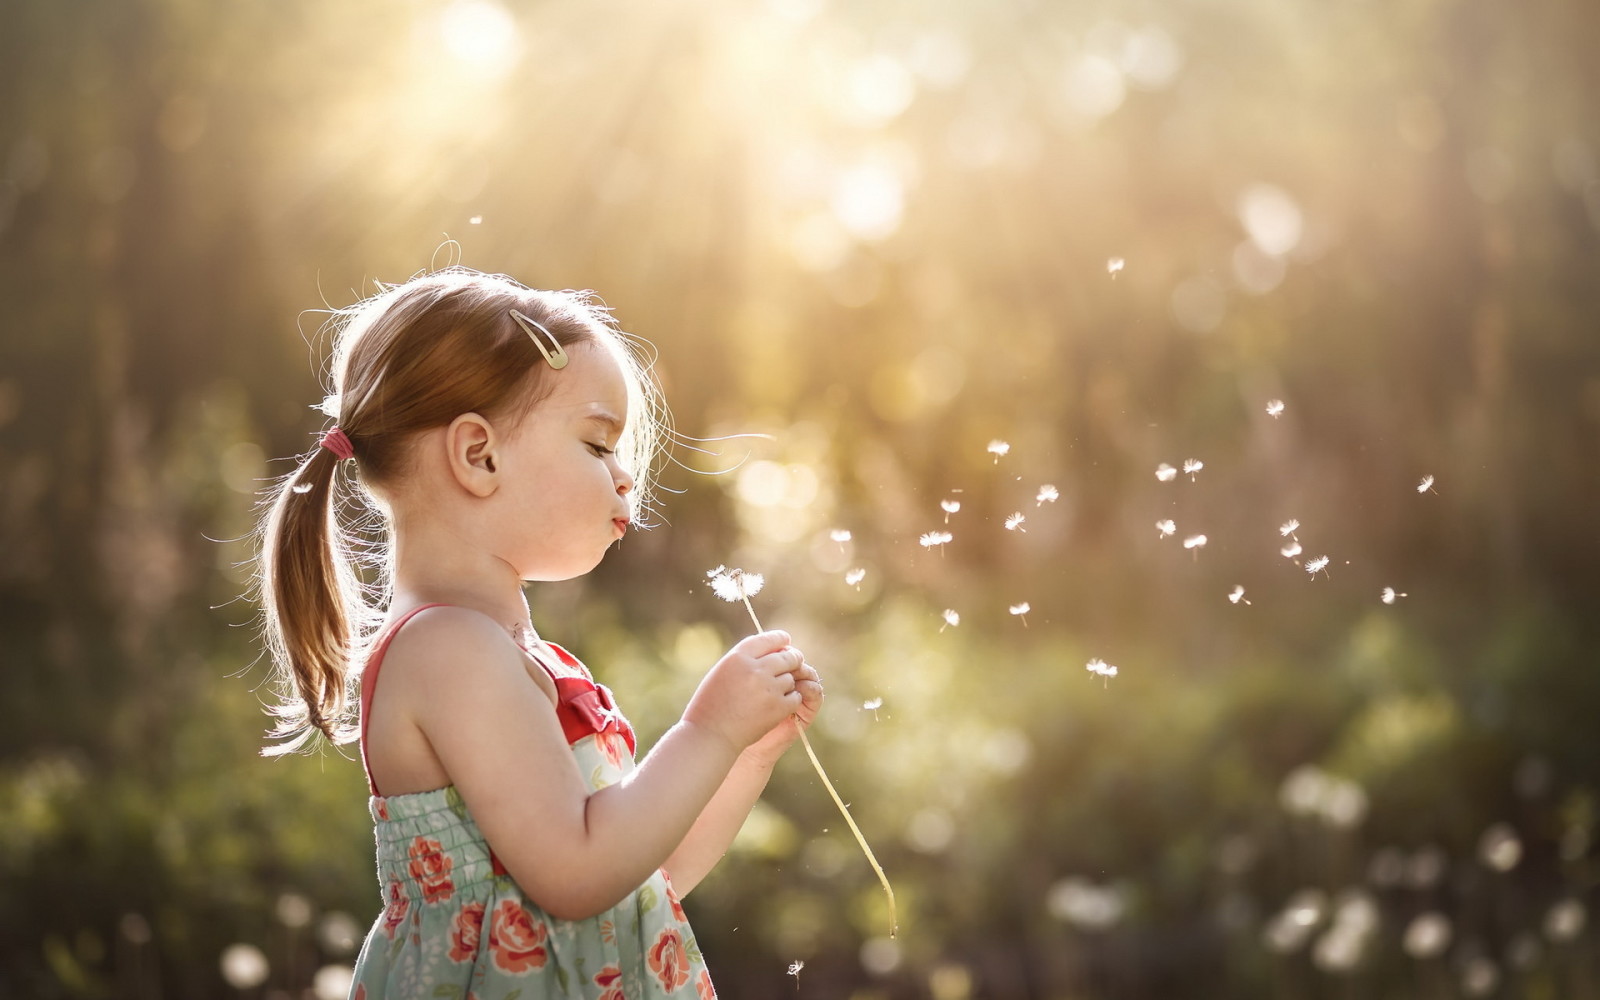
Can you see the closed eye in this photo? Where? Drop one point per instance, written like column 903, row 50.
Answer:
column 602, row 450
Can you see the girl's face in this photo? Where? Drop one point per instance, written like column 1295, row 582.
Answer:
column 564, row 499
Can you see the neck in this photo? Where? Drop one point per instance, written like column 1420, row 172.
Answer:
column 445, row 571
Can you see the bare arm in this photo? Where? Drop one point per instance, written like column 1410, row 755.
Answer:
column 497, row 737
column 717, row 825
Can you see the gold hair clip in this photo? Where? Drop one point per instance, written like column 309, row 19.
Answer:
column 558, row 358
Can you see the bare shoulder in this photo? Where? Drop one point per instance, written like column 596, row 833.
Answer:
column 444, row 649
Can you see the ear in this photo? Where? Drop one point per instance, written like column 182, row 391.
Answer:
column 470, row 450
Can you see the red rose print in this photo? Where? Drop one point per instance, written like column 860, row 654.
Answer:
column 669, row 961
column 611, row 978
column 430, row 866
column 677, row 907
column 515, row 941
column 360, row 993
column 383, row 809
column 703, row 986
column 610, row 746
column 394, row 914
column 465, row 930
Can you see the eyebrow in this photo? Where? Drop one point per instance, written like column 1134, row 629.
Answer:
column 607, row 418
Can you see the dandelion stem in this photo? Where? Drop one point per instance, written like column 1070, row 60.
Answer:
column 894, row 922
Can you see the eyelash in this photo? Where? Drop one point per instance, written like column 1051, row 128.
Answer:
column 602, row 450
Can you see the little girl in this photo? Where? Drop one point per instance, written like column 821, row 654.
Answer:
column 504, row 435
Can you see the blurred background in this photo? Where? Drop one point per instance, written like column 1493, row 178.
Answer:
column 1008, row 285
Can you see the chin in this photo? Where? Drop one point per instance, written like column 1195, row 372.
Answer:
column 565, row 571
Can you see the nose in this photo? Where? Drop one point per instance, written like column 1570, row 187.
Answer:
column 624, row 480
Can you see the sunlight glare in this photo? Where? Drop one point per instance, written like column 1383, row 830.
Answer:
column 1271, row 217
column 482, row 35
column 869, row 200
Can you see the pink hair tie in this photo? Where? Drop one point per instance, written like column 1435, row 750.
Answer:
column 336, row 441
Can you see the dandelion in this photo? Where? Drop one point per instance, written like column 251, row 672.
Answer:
column 933, row 538
column 854, row 577
column 840, row 535
column 1166, row 473
column 1291, row 550
column 1426, row 485
column 1167, row 527
column 1288, row 527
column 1021, row 611
column 735, row 584
column 951, row 617
column 1389, row 594
column 1047, row 494
column 1014, row 522
column 1317, row 565
column 872, row 705
column 1195, row 542
column 949, row 507
column 998, row 449
column 1101, row 667
column 1192, row 466
column 1236, row 595
column 795, row 967
column 1274, row 408
column 1114, row 265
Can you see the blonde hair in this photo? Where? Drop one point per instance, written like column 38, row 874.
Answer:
column 410, row 358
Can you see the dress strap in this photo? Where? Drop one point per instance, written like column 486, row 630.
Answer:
column 584, row 707
column 369, row 678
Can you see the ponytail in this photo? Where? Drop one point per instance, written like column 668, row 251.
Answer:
column 308, row 593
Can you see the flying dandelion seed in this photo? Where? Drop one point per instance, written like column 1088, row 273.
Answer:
column 1291, row 550
column 1167, row 527
column 1288, row 527
column 1236, row 595
column 840, row 535
column 854, row 577
column 872, row 705
column 1021, row 611
column 1101, row 667
column 1114, row 265
column 1274, row 408
column 1389, row 594
column 1047, row 494
column 476, row 220
column 795, row 967
column 949, row 507
column 1195, row 542
column 1317, row 565
column 951, row 619
column 933, row 538
column 1426, row 485
column 998, row 449
column 1192, row 466
column 1014, row 522
column 1166, row 473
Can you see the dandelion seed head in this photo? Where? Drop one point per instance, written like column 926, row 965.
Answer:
column 1191, row 466
column 998, row 448
column 1021, row 609
column 840, row 535
column 1237, row 594
column 932, row 538
column 1167, row 527
column 1114, row 265
column 476, row 220
column 1425, row 485
column 1389, row 594
column 795, row 967
column 1014, row 522
column 1288, row 527
column 1291, row 550
column 949, row 506
column 1101, row 667
column 872, row 704
column 855, row 576
column 735, row 584
column 951, row 617
column 1274, row 407
column 1166, row 473
column 1048, row 494
column 1317, row 565
column 1195, row 542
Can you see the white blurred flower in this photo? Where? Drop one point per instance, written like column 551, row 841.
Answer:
column 735, row 584
column 998, row 448
column 1274, row 408
column 1192, row 466
column 1167, row 527
column 1047, row 494
column 1166, row 473
column 1014, row 522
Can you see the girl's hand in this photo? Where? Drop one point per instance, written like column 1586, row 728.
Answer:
column 770, row 747
column 751, row 690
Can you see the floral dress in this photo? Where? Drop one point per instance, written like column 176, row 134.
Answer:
column 455, row 925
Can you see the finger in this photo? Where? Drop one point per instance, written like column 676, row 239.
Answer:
column 763, row 643
column 808, row 673
column 784, row 661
